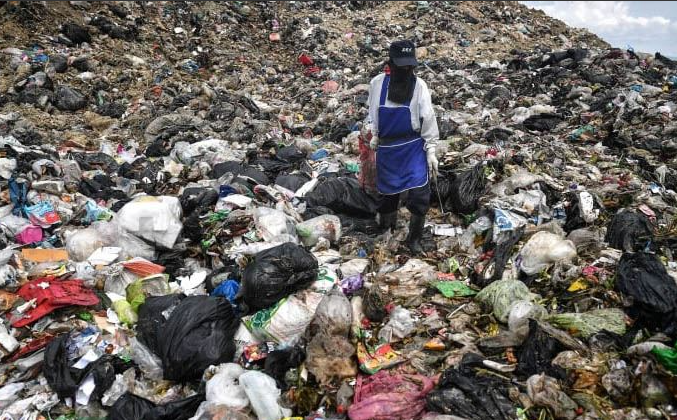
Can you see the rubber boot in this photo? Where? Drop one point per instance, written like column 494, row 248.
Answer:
column 415, row 233
column 388, row 221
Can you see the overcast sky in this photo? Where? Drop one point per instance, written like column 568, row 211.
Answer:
column 647, row 26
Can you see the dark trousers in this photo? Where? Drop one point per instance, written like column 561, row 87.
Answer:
column 417, row 201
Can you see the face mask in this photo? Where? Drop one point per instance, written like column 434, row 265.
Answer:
column 402, row 83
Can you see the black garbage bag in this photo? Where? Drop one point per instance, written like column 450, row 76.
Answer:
column 275, row 274
column 278, row 362
column 291, row 154
column 460, row 193
column 152, row 319
column 272, row 167
column 542, row 122
column 65, row 380
column 35, row 95
column 536, row 354
column 629, row 231
column 343, row 195
column 68, row 99
column 198, row 333
column 237, row 168
column 201, row 199
column 76, row 33
column 464, row 393
column 643, row 278
column 133, row 407
column 291, row 182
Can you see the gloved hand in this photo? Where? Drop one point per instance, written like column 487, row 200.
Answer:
column 373, row 143
column 433, row 164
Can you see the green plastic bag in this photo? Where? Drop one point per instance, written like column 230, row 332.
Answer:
column 667, row 357
column 155, row 285
column 586, row 324
column 125, row 313
column 453, row 289
column 501, row 294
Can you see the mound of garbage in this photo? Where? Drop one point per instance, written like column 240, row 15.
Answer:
column 189, row 228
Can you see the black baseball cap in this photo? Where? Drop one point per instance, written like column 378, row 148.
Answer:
column 403, row 53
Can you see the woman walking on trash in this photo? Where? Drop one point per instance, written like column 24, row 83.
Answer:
column 404, row 133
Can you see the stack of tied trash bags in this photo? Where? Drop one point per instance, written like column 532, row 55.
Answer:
column 189, row 228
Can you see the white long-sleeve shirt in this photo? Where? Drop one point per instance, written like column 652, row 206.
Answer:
column 421, row 108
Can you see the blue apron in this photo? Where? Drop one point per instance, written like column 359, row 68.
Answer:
column 401, row 162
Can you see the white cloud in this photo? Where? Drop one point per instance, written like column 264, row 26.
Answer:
column 613, row 21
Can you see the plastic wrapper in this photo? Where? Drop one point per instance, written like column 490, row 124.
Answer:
column 586, row 324
column 333, row 314
column 326, row 226
column 667, row 357
column 125, row 312
column 263, row 395
column 500, row 296
column 544, row 249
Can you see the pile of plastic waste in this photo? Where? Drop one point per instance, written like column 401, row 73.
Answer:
column 188, row 230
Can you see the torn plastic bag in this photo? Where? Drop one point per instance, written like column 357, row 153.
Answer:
column 667, row 357
column 536, row 354
column 500, row 251
column 222, row 386
column 132, row 407
column 463, row 392
column 629, row 231
column 400, row 325
column 386, row 396
column 291, row 182
column 583, row 210
column 65, row 379
column 52, row 294
column 155, row 219
column 586, row 324
column 544, row 391
column 343, row 195
column 263, row 395
column 274, row 274
column 643, row 278
column 138, row 291
column 520, row 314
column 334, row 314
column 544, row 249
column 198, row 332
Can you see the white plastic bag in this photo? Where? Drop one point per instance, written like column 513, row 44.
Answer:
column 149, row 363
column 326, row 226
column 155, row 219
column 263, row 395
column 286, row 322
column 400, row 325
column 334, row 314
column 520, row 313
column 271, row 223
column 544, row 249
column 223, row 387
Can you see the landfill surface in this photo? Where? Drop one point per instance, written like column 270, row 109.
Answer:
column 189, row 225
